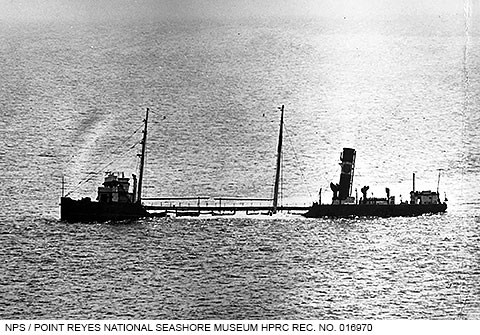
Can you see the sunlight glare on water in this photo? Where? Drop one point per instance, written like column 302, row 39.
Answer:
column 400, row 89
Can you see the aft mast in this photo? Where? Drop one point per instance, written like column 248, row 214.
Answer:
column 279, row 159
column 142, row 159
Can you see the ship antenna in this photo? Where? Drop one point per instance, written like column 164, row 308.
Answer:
column 142, row 159
column 279, row 157
column 438, row 183
column 63, row 186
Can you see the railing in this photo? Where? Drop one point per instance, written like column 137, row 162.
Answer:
column 208, row 202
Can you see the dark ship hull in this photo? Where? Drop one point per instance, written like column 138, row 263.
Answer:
column 366, row 210
column 92, row 211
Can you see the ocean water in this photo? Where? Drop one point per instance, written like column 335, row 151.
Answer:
column 403, row 90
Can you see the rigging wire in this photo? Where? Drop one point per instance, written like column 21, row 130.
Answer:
column 113, row 152
column 117, row 149
column 297, row 161
column 281, row 177
column 95, row 173
column 100, row 160
column 467, row 12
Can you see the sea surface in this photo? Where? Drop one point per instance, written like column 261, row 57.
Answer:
column 402, row 89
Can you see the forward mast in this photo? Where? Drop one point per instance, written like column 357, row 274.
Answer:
column 142, row 159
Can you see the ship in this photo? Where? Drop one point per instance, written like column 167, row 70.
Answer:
column 344, row 205
column 115, row 201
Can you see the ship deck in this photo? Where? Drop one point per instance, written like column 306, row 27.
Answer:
column 223, row 210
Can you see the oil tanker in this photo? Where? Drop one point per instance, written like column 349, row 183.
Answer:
column 116, row 202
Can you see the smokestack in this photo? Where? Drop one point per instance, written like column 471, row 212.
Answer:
column 346, row 175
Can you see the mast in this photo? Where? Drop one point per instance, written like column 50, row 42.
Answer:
column 279, row 157
column 438, row 183
column 142, row 159
column 413, row 182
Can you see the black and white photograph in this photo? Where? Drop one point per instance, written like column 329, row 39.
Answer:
column 239, row 160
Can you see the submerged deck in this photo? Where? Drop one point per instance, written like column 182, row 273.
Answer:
column 215, row 209
column 196, row 205
column 239, row 208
